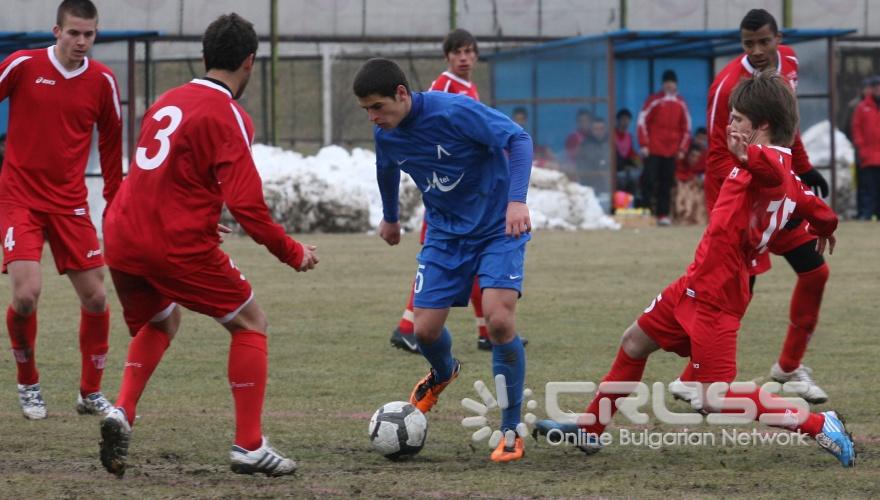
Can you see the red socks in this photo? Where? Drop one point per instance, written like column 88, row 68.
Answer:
column 406, row 321
column 23, row 335
column 804, row 314
column 624, row 369
column 811, row 426
column 144, row 353
column 477, row 304
column 248, row 365
column 94, row 330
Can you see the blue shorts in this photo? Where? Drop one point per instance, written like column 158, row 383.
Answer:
column 447, row 268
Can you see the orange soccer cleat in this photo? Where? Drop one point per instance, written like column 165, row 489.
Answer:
column 509, row 449
column 425, row 393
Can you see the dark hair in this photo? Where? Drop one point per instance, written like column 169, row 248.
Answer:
column 457, row 39
column 379, row 76
column 227, row 42
column 768, row 98
column 695, row 147
column 83, row 9
column 756, row 19
column 584, row 111
column 519, row 110
column 624, row 112
column 669, row 76
column 701, row 130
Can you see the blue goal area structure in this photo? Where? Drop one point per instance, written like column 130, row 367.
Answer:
column 553, row 81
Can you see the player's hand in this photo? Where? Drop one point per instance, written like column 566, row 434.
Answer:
column 390, row 232
column 680, row 156
column 645, row 152
column 828, row 242
column 518, row 221
column 815, row 181
column 310, row 258
column 738, row 144
column 221, row 230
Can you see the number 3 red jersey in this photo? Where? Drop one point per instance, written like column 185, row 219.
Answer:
column 193, row 155
column 756, row 200
column 52, row 114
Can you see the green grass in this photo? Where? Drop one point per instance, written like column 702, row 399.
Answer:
column 331, row 367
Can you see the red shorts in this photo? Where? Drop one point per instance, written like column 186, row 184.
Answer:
column 72, row 238
column 679, row 323
column 217, row 289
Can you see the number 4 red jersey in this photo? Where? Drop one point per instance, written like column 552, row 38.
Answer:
column 193, row 155
column 756, row 200
column 52, row 114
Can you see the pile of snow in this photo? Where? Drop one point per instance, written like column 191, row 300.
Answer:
column 336, row 191
column 817, row 142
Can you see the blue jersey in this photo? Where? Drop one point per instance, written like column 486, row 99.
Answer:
column 453, row 147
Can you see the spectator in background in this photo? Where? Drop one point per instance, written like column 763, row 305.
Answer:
column 591, row 162
column 866, row 136
column 851, row 107
column 542, row 157
column 575, row 139
column 690, row 201
column 701, row 139
column 664, row 132
column 629, row 165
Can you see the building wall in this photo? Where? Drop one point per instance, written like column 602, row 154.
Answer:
column 353, row 18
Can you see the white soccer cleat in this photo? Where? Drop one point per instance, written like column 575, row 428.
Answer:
column 809, row 390
column 32, row 405
column 265, row 460
column 115, row 438
column 689, row 392
column 93, row 404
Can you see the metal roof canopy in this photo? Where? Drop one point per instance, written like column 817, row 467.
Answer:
column 650, row 45
column 10, row 41
column 673, row 44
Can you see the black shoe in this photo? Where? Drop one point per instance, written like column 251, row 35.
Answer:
column 406, row 342
column 484, row 344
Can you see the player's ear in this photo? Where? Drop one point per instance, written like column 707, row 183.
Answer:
column 401, row 93
column 56, row 30
column 249, row 62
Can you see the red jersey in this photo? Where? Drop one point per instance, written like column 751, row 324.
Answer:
column 719, row 161
column 52, row 113
column 664, row 125
column 756, row 200
column 193, row 155
column 866, row 132
column 448, row 82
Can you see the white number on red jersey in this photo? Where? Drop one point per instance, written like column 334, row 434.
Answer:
column 147, row 163
column 9, row 241
column 780, row 212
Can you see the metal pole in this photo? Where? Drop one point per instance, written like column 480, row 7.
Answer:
column 129, row 101
column 832, row 115
column 273, row 84
column 453, row 14
column 623, row 14
column 327, row 93
column 786, row 13
column 264, row 98
column 148, row 60
column 612, row 102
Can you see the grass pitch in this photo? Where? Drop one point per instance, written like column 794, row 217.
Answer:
column 331, row 367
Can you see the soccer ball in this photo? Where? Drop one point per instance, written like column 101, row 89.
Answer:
column 398, row 430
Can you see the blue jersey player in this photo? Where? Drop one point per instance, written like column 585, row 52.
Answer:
column 472, row 164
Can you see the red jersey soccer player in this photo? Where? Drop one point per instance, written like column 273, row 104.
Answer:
column 460, row 50
column 193, row 157
column 56, row 96
column 698, row 315
column 760, row 41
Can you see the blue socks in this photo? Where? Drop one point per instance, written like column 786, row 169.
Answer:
column 439, row 355
column 510, row 360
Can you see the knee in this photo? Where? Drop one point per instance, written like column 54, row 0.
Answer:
column 634, row 343
column 24, row 300
column 96, row 301
column 500, row 324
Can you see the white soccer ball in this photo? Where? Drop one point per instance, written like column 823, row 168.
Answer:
column 398, row 430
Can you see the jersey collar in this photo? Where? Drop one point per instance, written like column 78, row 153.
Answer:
column 780, row 148
column 61, row 69
column 452, row 76
column 211, row 85
column 415, row 110
column 752, row 70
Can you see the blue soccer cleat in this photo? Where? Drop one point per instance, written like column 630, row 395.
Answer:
column 835, row 439
column 557, row 433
